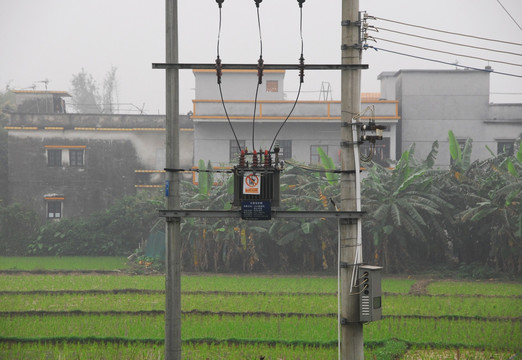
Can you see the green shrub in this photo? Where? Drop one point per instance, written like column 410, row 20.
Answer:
column 18, row 227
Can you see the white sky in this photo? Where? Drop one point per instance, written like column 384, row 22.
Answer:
column 54, row 39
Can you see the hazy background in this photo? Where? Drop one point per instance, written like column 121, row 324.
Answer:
column 54, row 39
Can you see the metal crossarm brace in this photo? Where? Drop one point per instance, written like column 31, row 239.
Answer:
column 265, row 66
column 275, row 214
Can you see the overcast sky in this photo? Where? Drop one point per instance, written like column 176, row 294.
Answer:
column 54, row 39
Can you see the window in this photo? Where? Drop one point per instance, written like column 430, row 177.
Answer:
column 54, row 209
column 54, row 157
column 76, row 158
column 286, row 149
column 234, row 150
column 314, row 153
column 272, row 86
column 506, row 147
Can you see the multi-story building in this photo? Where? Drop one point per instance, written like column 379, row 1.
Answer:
column 66, row 165
column 311, row 124
column 432, row 102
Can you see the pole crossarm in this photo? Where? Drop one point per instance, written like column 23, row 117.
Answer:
column 275, row 214
column 201, row 66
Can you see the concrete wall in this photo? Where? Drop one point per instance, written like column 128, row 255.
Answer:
column 238, row 85
column 432, row 102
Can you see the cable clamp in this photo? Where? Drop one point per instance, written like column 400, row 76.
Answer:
column 346, row 321
column 347, row 144
column 354, row 46
column 348, row 221
column 347, row 124
column 350, row 23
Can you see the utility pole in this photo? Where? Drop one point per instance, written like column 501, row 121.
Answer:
column 351, row 328
column 173, row 237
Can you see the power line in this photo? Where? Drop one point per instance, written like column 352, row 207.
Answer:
column 447, row 32
column 440, row 61
column 449, row 42
column 447, row 52
column 218, row 73
column 301, row 73
column 507, row 12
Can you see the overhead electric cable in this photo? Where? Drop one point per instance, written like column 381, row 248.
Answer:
column 259, row 72
column 450, row 42
column 447, row 52
column 301, row 72
column 440, row 61
column 449, row 32
column 219, row 73
column 507, row 12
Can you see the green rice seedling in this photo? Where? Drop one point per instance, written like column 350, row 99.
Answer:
column 83, row 263
column 81, row 282
column 82, row 302
column 314, row 330
column 459, row 306
column 398, row 286
column 503, row 335
column 190, row 283
column 458, row 353
column 144, row 351
column 491, row 288
column 259, row 283
column 267, row 303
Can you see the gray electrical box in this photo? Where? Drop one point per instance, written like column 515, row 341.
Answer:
column 370, row 297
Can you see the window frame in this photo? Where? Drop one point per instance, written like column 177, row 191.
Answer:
column 73, row 159
column 51, row 208
column 272, row 86
column 313, row 148
column 506, row 144
column 54, row 158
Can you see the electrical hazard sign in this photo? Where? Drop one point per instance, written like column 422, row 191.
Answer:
column 251, row 184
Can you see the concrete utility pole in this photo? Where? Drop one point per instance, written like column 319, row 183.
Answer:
column 173, row 237
column 351, row 329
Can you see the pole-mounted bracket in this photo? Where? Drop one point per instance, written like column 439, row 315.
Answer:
column 345, row 321
column 350, row 23
column 346, row 221
column 347, row 144
column 354, row 46
column 199, row 213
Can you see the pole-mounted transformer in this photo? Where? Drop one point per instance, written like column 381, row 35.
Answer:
column 256, row 183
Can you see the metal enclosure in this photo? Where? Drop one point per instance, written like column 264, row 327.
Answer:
column 269, row 185
column 370, row 297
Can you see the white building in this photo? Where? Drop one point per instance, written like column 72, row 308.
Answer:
column 312, row 124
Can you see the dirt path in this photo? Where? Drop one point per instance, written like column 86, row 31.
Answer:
column 420, row 287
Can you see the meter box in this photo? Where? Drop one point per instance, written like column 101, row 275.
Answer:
column 370, row 297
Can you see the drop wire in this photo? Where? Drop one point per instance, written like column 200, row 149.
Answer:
column 260, row 74
column 218, row 64
column 300, row 82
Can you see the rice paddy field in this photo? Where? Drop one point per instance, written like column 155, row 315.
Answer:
column 97, row 311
